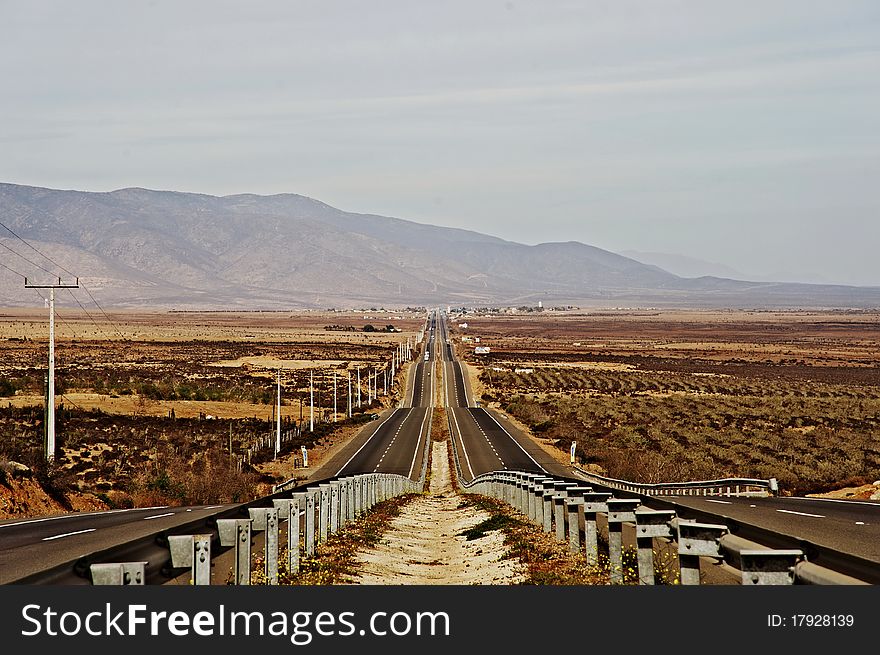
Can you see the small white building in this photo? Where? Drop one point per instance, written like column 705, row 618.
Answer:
column 481, row 350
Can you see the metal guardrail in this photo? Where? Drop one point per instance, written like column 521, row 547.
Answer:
column 720, row 487
column 570, row 510
column 310, row 515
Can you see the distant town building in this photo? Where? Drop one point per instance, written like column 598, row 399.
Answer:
column 481, row 350
column 463, row 326
column 523, row 370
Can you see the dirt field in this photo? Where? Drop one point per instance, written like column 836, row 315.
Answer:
column 180, row 407
column 665, row 396
column 424, row 544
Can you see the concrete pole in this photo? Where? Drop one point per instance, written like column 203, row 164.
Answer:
column 50, row 417
column 359, row 386
column 312, row 401
column 385, row 382
column 349, row 394
column 278, row 423
column 334, row 396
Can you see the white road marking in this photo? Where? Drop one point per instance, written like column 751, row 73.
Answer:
column 789, row 511
column 158, row 516
column 69, row 534
column 416, row 451
column 720, row 502
column 379, row 427
column 514, row 440
column 863, row 503
column 76, row 515
column 212, row 506
column 461, row 441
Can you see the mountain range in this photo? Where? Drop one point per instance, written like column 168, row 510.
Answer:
column 137, row 247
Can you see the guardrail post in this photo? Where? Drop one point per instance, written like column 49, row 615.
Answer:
column 237, row 532
column 266, row 519
column 594, row 503
column 769, row 567
column 311, row 497
column 620, row 511
column 344, row 487
column 697, row 540
column 323, row 511
column 574, row 504
column 193, row 552
column 118, row 574
column 290, row 508
column 531, row 496
column 547, row 492
column 334, row 507
column 650, row 524
column 559, row 499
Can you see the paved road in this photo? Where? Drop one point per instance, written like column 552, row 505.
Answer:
column 396, row 442
column 31, row 545
column 485, row 442
column 392, row 444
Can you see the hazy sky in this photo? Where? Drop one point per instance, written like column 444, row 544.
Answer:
column 746, row 133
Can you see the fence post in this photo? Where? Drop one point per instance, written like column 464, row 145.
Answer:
column 194, row 552
column 237, row 532
column 118, row 574
column 696, row 540
column 620, row 511
column 650, row 524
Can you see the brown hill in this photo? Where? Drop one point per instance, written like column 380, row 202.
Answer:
column 136, row 247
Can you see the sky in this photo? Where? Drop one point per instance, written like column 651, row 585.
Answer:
column 743, row 133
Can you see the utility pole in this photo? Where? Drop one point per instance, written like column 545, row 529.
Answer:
column 334, row 396
column 349, row 394
column 359, row 387
column 311, row 401
column 50, row 414
column 384, row 381
column 278, row 417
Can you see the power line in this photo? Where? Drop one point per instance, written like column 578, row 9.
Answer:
column 92, row 318
column 58, row 314
column 46, row 257
column 9, row 229
column 29, row 261
column 12, row 271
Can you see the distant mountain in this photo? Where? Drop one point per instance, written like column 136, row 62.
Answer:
column 686, row 266
column 136, row 247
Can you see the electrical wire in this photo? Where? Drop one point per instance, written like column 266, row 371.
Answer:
column 81, row 284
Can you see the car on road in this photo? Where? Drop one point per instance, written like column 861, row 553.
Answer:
column 373, row 417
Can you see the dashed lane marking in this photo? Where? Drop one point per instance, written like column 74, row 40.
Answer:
column 158, row 516
column 789, row 511
column 68, row 534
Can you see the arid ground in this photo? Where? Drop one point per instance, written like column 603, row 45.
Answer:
column 667, row 396
column 178, row 407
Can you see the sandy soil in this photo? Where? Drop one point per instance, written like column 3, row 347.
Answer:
column 422, row 546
